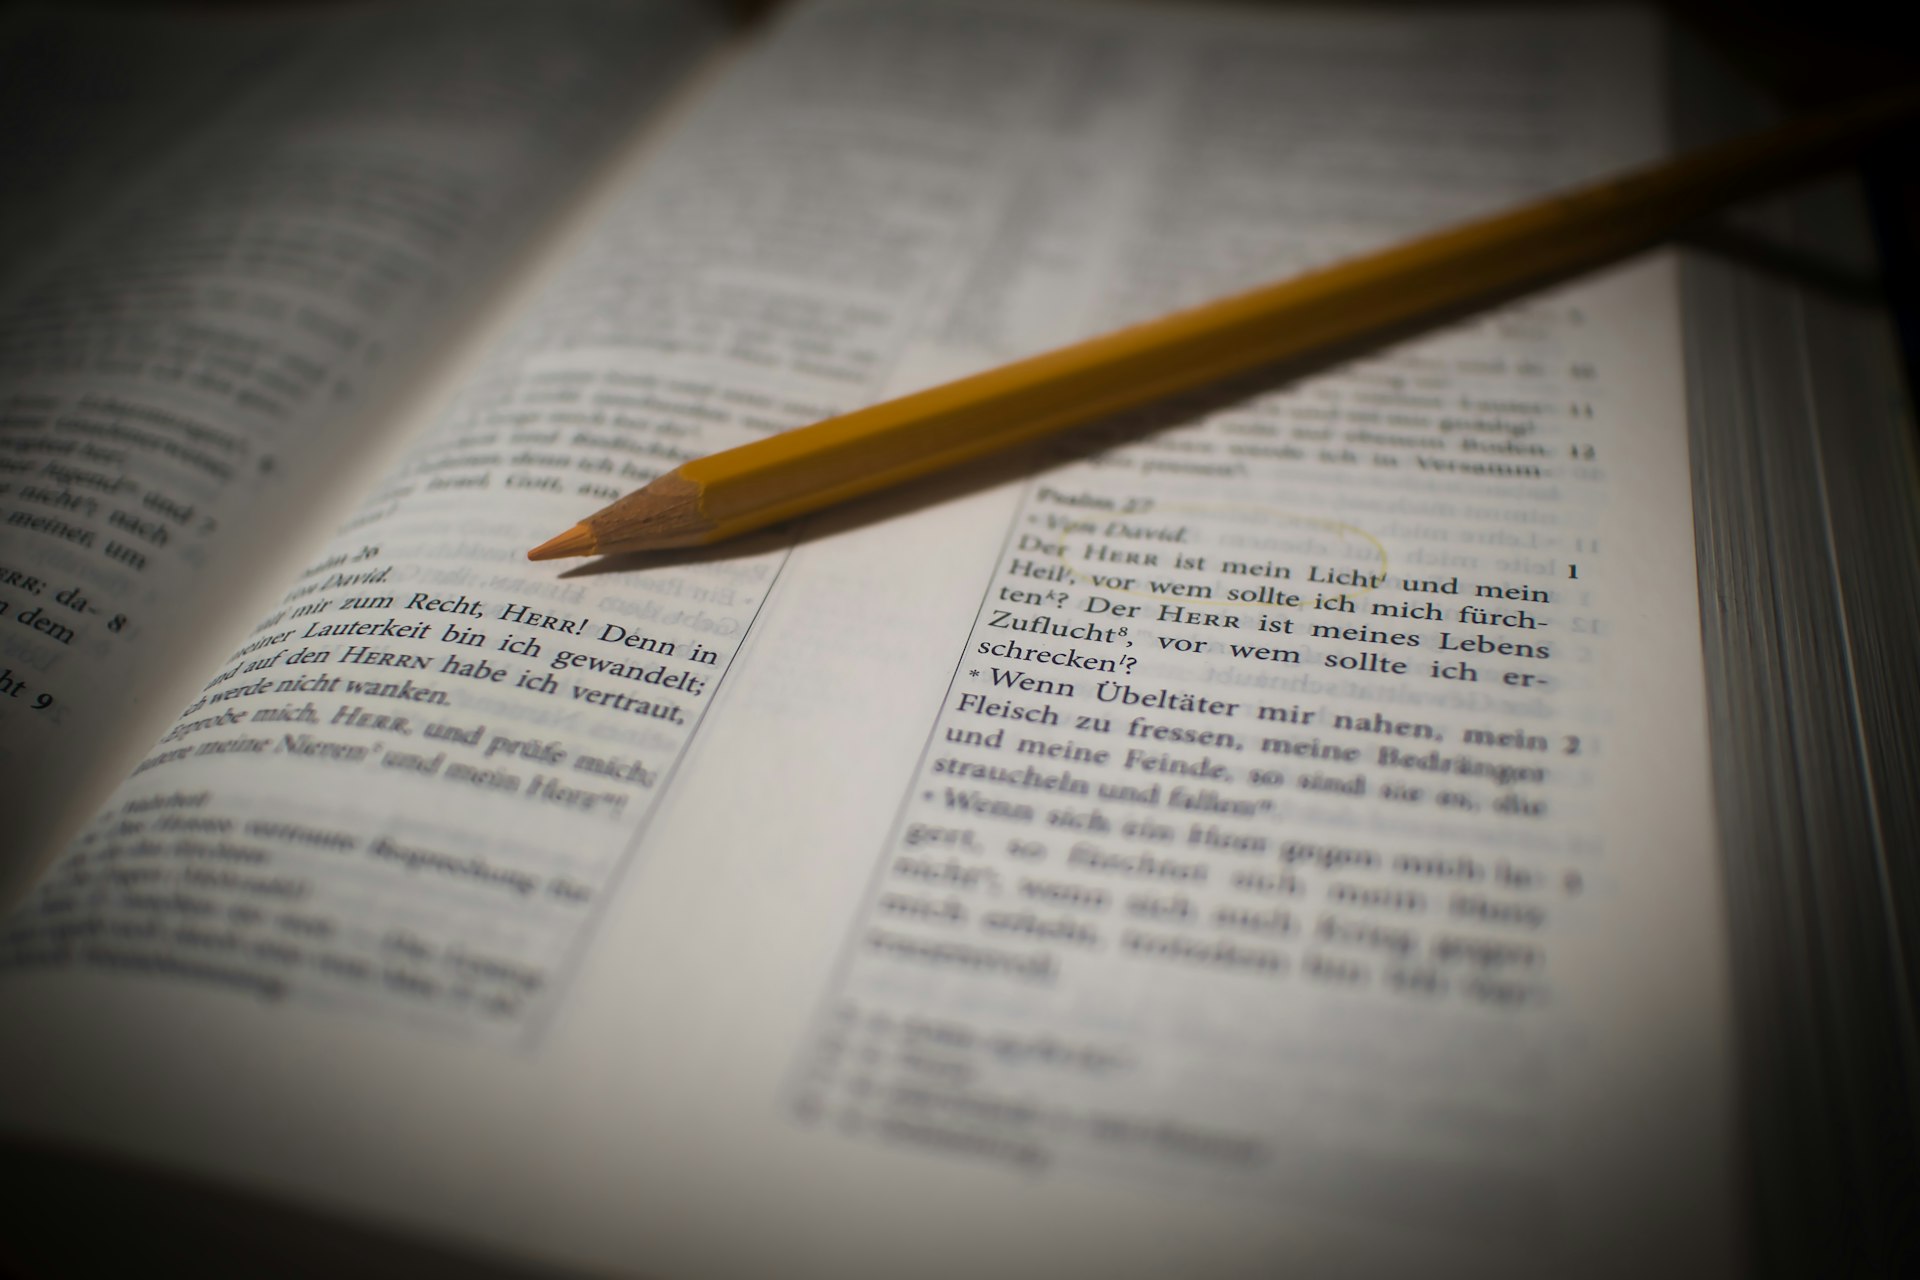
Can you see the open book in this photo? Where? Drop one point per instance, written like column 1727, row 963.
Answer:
column 1273, row 835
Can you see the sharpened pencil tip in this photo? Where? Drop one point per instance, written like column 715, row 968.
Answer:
column 577, row 541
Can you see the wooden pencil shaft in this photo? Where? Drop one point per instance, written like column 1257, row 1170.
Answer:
column 800, row 471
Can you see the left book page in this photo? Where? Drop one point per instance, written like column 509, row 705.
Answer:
column 269, row 223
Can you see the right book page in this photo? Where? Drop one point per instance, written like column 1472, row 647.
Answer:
column 1280, row 837
column 1317, row 814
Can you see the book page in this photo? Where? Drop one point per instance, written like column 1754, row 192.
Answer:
column 245, row 232
column 1277, row 840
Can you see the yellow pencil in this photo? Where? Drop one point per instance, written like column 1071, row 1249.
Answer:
column 787, row 475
